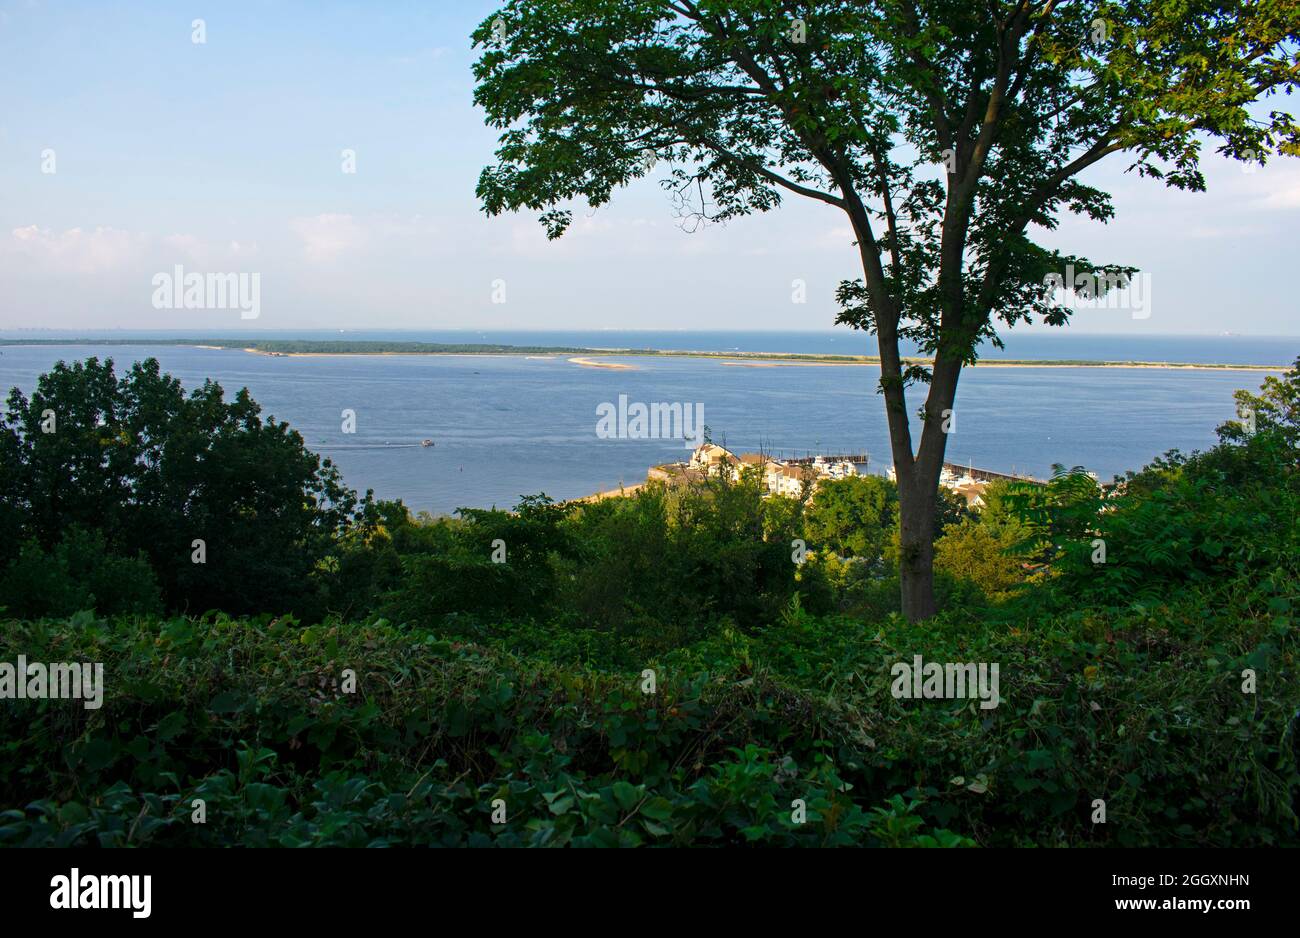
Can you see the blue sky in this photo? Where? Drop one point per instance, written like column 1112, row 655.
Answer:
column 226, row 156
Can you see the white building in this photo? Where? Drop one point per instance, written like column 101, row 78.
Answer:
column 778, row 478
column 711, row 458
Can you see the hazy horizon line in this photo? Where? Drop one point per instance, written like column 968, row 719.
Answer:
column 252, row 332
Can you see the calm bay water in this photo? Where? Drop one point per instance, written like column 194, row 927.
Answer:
column 506, row 426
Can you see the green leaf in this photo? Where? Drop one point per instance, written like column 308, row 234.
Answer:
column 170, row 726
column 226, row 702
column 626, row 795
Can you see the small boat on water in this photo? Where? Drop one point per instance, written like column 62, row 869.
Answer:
column 426, row 442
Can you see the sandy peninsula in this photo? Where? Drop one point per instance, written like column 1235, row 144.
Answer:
column 786, row 364
column 592, row 363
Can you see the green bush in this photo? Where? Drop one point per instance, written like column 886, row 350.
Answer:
column 78, row 573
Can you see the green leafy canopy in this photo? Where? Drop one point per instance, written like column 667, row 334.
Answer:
column 943, row 128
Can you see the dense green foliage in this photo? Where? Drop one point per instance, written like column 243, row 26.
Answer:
column 854, row 516
column 522, row 685
column 154, row 472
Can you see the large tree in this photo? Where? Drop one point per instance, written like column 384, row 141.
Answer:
column 946, row 130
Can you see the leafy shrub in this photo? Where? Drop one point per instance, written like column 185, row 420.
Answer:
column 1138, row 706
column 78, row 573
column 437, row 732
column 983, row 554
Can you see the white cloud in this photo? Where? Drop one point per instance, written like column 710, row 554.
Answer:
column 184, row 243
column 328, row 236
column 106, row 251
column 1274, row 187
column 76, row 250
column 1284, row 197
column 208, row 254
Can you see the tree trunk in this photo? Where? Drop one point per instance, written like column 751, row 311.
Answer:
column 917, row 475
column 916, row 548
column 918, row 483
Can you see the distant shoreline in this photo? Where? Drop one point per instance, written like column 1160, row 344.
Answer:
column 587, row 357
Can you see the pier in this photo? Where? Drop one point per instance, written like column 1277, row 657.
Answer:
column 988, row 475
column 856, row 458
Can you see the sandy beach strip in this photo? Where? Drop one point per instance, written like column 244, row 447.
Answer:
column 786, row 364
column 272, row 353
column 612, row 493
column 591, row 363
